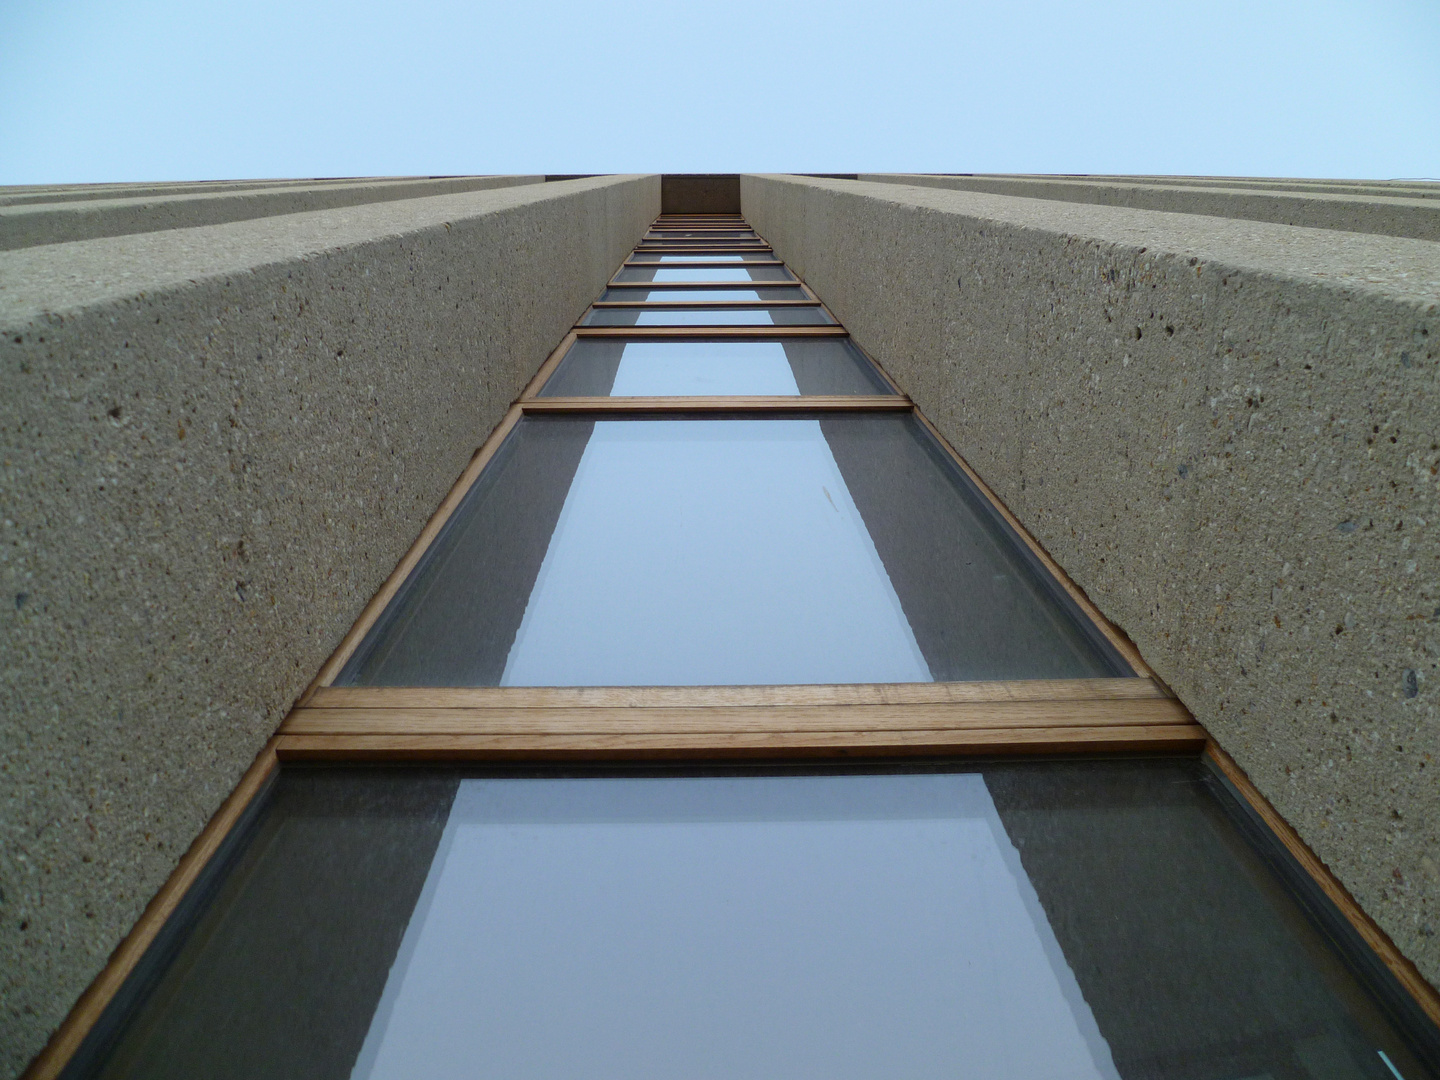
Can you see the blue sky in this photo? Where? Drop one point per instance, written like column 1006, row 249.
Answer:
column 172, row 90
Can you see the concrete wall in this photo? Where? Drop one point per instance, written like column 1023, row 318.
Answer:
column 700, row 193
column 1226, row 432
column 216, row 443
column 1389, row 209
column 52, row 216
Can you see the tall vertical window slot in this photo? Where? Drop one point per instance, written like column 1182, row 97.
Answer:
column 722, row 723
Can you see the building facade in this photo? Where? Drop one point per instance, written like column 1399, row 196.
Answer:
column 229, row 413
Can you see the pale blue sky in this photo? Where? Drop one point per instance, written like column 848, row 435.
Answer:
column 94, row 90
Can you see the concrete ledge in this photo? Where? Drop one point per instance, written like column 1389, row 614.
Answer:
column 31, row 218
column 1226, row 431
column 1406, row 189
column 216, row 444
column 1403, row 210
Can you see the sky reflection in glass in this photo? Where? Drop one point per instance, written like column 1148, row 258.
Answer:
column 708, row 368
column 754, row 511
column 845, row 927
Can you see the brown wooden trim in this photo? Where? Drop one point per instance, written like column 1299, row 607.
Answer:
column 688, row 305
column 72, row 1031
column 1113, row 634
column 814, row 403
column 520, row 697
column 709, row 330
column 719, row 243
column 715, row 333
column 701, row 286
column 1404, row 971
column 677, row 247
column 1166, row 738
column 725, row 720
column 402, row 569
column 704, row 264
column 669, row 229
column 547, row 369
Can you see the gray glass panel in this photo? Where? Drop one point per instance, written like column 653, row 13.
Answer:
column 708, row 368
column 681, row 259
column 704, row 273
column 780, row 292
column 797, row 316
column 726, row 551
column 703, row 234
column 1022, row 920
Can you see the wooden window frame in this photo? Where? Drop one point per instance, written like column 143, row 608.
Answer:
column 650, row 724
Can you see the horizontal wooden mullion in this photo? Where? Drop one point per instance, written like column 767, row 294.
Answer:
column 704, row 264
column 814, row 403
column 687, row 305
column 450, row 697
column 715, row 333
column 1168, row 738
column 724, row 246
column 701, row 286
column 728, row 719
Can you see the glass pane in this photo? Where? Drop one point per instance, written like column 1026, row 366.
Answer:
column 1032, row 920
column 698, row 246
column 744, row 256
column 704, row 273
column 701, row 234
column 779, row 292
column 725, row 551
column 604, row 367
column 797, row 316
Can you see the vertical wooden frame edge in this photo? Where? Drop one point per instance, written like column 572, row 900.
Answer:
column 417, row 550
column 1122, row 644
column 91, row 1005
column 1426, row 996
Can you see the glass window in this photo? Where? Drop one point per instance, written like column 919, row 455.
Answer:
column 704, row 273
column 605, row 367
column 1028, row 920
column 681, row 259
column 725, row 551
column 701, row 234
column 796, row 316
column 779, row 292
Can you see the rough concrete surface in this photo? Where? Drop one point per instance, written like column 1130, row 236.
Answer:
column 32, row 222
column 1228, row 433
column 216, row 444
column 15, row 194
column 1394, row 214
column 1408, row 189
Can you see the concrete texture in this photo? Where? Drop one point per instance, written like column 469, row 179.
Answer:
column 1404, row 210
column 700, row 193
column 15, row 194
column 32, row 218
column 1408, row 189
column 1226, row 432
column 216, row 443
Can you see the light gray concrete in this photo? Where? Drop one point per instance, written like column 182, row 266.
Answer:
column 216, row 443
column 1405, row 189
column 30, row 219
column 16, row 194
column 1409, row 211
column 1228, row 433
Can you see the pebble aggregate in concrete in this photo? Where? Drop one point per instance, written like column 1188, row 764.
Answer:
column 215, row 445
column 34, row 222
column 1401, row 209
column 1228, row 433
